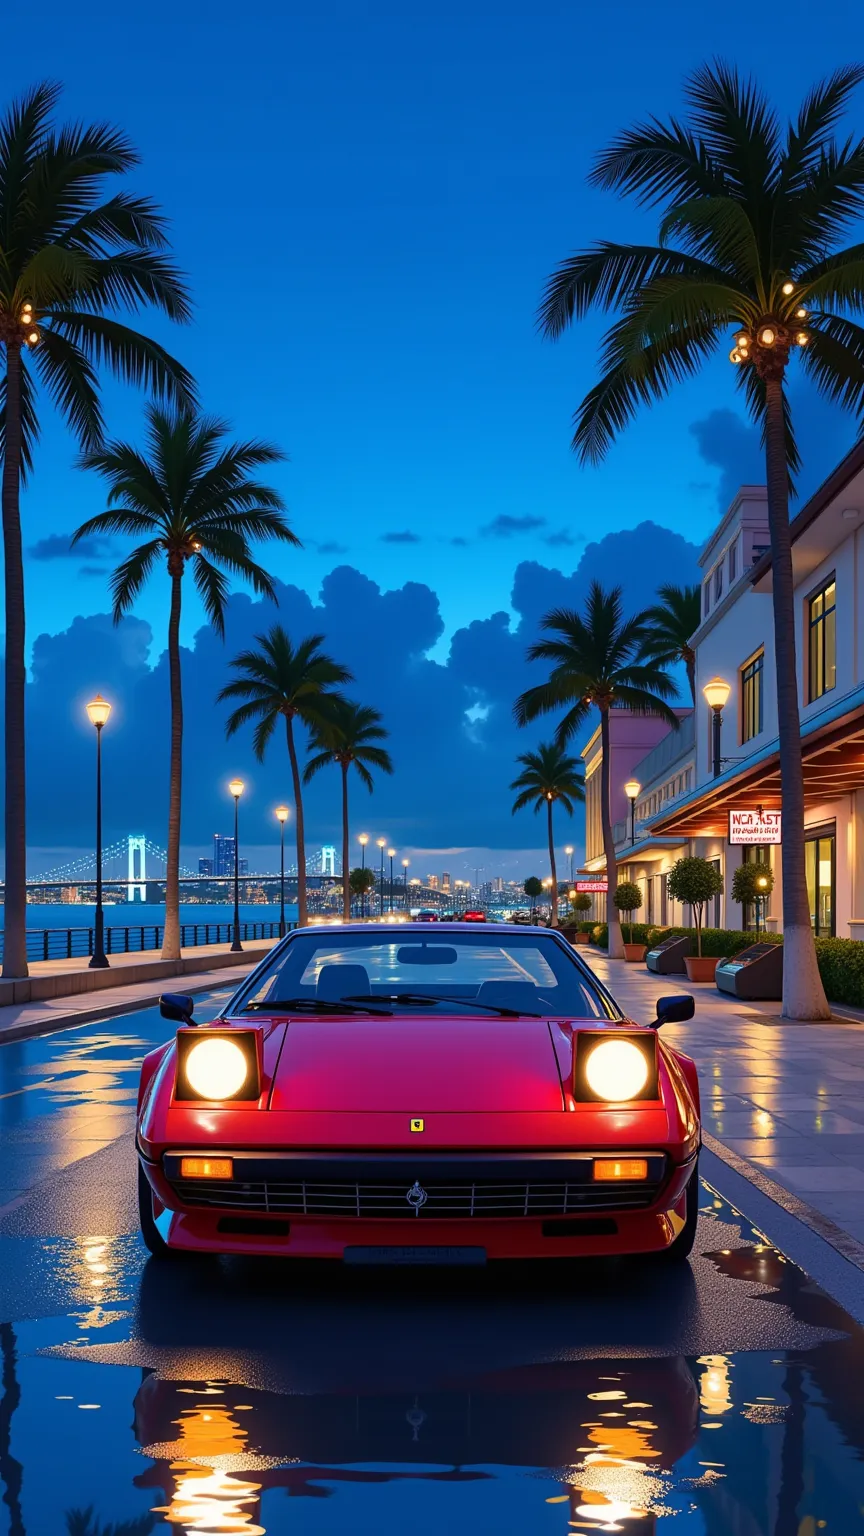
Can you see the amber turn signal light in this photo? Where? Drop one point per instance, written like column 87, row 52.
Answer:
column 620, row 1168
column 206, row 1168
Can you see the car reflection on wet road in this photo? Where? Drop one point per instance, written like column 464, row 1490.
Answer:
column 244, row 1396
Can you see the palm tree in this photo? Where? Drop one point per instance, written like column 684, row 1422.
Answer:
column 195, row 498
column 759, row 215
column 298, row 683
column 347, row 735
column 69, row 264
column 671, row 622
column 597, row 660
column 549, row 774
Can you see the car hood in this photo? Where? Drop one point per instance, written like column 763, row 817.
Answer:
column 417, row 1065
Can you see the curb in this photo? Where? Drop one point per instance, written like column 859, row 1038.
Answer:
column 62, row 1021
column 844, row 1243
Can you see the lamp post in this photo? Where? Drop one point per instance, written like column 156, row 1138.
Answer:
column 236, row 788
column 363, row 840
column 382, row 844
column 569, row 852
column 547, row 886
column 631, row 790
column 391, row 854
column 281, row 814
column 716, row 693
column 405, row 863
column 98, row 711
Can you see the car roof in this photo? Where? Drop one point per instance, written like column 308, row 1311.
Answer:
column 416, row 927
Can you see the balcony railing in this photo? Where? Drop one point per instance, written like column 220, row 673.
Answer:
column 77, row 943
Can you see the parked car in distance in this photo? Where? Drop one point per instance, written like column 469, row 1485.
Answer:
column 474, row 915
column 426, row 916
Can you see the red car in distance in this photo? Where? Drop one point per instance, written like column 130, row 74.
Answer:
column 445, row 1096
column 473, row 915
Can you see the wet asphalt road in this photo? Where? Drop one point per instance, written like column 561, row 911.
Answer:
column 251, row 1397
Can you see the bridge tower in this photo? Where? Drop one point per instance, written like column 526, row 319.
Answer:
column 136, row 889
column 328, row 860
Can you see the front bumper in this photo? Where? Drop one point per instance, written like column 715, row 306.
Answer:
column 519, row 1205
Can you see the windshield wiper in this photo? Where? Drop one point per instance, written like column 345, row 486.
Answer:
column 419, row 998
column 318, row 1005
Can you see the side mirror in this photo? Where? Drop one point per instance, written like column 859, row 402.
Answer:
column 675, row 1010
column 176, row 1006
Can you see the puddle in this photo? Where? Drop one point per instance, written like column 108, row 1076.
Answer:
column 241, row 1397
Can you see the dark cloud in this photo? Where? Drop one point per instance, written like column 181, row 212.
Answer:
column 563, row 539
column 405, row 537
column 330, row 547
column 93, row 570
column 732, row 444
column 58, row 546
column 460, row 542
column 453, row 739
column 504, row 526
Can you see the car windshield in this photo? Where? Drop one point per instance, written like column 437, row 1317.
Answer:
column 508, row 974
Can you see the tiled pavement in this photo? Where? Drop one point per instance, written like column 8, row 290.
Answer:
column 786, row 1098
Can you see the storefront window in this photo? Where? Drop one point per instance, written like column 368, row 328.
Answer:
column 820, row 867
column 751, row 698
column 823, row 641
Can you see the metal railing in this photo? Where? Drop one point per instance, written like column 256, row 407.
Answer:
column 130, row 938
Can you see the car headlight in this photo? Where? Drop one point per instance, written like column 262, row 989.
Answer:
column 615, row 1068
column 217, row 1066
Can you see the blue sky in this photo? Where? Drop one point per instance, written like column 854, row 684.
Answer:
column 367, row 199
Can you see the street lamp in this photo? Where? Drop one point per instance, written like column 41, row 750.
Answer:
column 405, row 863
column 392, row 854
column 631, row 790
column 236, row 788
column 98, row 711
column 569, row 852
column 363, row 840
column 762, row 883
column 382, row 844
column 281, row 813
column 716, row 694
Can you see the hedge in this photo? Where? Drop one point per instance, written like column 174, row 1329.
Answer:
column 841, row 961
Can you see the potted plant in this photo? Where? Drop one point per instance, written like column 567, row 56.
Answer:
column 693, row 882
column 533, row 887
column 581, row 902
column 628, row 899
column 752, row 884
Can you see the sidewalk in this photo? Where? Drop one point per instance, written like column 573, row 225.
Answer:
column 66, row 978
column 201, row 968
column 782, row 1103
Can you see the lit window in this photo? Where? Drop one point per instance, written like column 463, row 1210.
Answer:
column 823, row 640
column 751, row 698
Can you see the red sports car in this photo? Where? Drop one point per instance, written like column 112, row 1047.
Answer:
column 419, row 1097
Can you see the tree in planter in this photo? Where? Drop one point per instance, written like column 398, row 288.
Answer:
column 581, row 902
column 361, row 882
column 693, row 882
column 752, row 883
column 628, row 898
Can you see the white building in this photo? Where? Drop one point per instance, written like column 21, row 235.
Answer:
column 735, row 642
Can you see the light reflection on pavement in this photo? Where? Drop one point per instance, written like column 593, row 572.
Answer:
column 253, row 1397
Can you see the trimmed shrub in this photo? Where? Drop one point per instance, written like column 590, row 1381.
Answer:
column 628, row 898
column 715, row 941
column 841, row 966
column 693, row 882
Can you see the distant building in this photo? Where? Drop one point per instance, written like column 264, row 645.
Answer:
column 205, row 866
column 432, row 882
column 244, row 867
column 445, row 882
column 223, row 855
column 498, row 885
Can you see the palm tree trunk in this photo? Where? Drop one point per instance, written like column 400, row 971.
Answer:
column 613, row 921
column 690, row 664
column 15, row 910
column 554, row 872
column 346, row 873
column 171, row 937
column 803, row 993
column 302, row 914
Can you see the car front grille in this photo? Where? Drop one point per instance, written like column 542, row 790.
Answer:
column 386, row 1201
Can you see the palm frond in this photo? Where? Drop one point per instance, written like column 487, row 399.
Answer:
column 212, row 585
column 29, row 420
column 607, row 274
column 130, row 575
column 133, row 357
column 71, row 381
